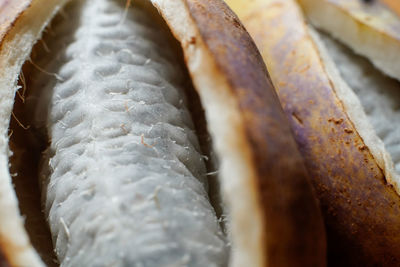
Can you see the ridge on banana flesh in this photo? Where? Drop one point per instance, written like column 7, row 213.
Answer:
column 123, row 164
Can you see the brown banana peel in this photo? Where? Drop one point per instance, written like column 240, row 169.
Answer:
column 276, row 220
column 351, row 170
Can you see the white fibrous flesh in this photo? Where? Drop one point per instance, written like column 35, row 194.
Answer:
column 124, row 182
column 378, row 94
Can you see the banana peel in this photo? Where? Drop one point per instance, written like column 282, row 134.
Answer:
column 275, row 216
column 351, row 171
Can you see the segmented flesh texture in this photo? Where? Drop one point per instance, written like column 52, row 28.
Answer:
column 124, row 181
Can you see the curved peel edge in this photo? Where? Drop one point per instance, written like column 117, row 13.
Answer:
column 235, row 156
column 357, row 115
column 369, row 29
column 275, row 217
column 21, row 25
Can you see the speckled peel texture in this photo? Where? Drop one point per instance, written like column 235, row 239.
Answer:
column 379, row 94
column 123, row 178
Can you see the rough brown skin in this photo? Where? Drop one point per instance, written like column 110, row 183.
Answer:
column 294, row 233
column 361, row 211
